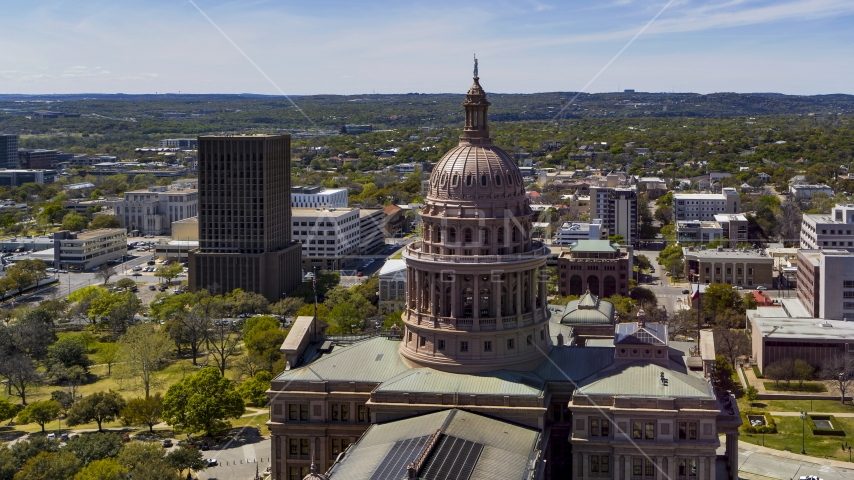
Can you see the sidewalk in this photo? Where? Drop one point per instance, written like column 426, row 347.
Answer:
column 794, row 456
column 750, row 376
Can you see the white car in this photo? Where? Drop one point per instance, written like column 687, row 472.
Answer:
column 760, row 288
column 137, row 268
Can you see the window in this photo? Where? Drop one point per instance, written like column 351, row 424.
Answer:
column 650, row 431
column 303, row 446
column 498, row 179
column 483, row 180
column 441, row 344
column 464, row 346
column 729, row 271
column 606, row 428
column 510, row 344
column 468, row 180
column 487, row 346
column 848, row 283
column 594, row 427
column 530, row 339
column 293, row 447
column 604, row 463
column 692, row 430
column 454, row 180
column 556, row 408
column 422, row 341
column 298, row 412
column 594, row 463
column 636, row 430
column 649, row 468
column 362, row 413
column 637, row 466
column 683, row 430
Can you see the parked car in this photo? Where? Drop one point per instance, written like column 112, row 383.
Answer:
column 167, row 443
column 359, row 273
column 212, row 462
column 152, row 287
column 151, row 262
column 62, row 271
column 51, row 436
column 686, row 291
column 136, row 274
column 136, row 268
column 760, row 288
column 63, row 437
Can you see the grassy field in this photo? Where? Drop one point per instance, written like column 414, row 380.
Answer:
column 789, row 438
column 816, row 406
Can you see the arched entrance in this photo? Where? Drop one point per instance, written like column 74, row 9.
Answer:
column 575, row 287
column 593, row 284
column 609, row 285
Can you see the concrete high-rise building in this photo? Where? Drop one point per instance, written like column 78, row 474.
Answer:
column 8, row 150
column 618, row 210
column 245, row 217
column 833, row 231
column 704, row 206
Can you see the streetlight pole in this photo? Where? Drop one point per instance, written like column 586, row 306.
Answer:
column 803, row 432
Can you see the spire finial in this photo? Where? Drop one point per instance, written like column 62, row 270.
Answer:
column 475, row 65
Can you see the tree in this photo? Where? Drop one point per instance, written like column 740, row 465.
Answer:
column 202, row 402
column 125, row 283
column 263, row 339
column 287, row 307
column 642, row 262
column 68, row 352
column 7, row 410
column 224, row 344
column 840, row 371
column 143, row 411
column 99, row 407
column 802, row 371
column 143, row 348
column 345, row 319
column 74, row 222
column 254, row 389
column 751, row 394
column 21, row 374
column 19, row 277
column 644, row 296
column 168, row 272
column 105, row 272
column 186, row 458
column 106, row 469
column 394, row 318
column 731, row 343
column 41, row 413
column 616, row 238
column 104, row 221
column 95, row 446
column 50, row 466
column 64, row 399
column 775, row 371
column 144, row 461
column 722, row 375
column 720, row 297
column 108, row 354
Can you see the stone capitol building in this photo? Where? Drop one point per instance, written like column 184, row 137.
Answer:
column 486, row 380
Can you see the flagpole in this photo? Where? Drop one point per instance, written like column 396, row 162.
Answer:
column 314, row 287
column 698, row 313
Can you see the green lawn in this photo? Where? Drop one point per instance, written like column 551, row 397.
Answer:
column 756, row 371
column 789, row 438
column 816, row 406
column 813, row 387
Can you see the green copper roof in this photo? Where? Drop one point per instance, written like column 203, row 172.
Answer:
column 500, row 382
column 588, row 300
column 587, row 310
column 373, row 360
column 592, row 246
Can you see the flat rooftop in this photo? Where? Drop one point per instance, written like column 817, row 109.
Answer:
column 730, row 217
column 815, row 329
column 316, row 212
column 726, row 253
column 97, row 233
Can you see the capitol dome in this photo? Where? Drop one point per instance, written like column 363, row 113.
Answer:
column 476, row 279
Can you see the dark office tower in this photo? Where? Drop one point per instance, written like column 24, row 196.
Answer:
column 8, row 150
column 245, row 217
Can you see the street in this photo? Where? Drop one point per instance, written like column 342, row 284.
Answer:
column 669, row 295
column 755, row 460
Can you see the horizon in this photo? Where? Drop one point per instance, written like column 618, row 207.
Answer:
column 338, row 48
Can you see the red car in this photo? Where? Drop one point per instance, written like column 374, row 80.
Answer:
column 359, row 273
column 126, row 438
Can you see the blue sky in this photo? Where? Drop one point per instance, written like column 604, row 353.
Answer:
column 347, row 47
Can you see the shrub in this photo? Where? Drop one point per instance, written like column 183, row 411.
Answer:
column 836, row 431
column 769, row 427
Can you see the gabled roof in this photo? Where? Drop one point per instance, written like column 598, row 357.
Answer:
column 393, row 266
column 373, row 360
column 643, row 379
column 570, row 363
column 500, row 382
column 587, row 310
column 635, row 334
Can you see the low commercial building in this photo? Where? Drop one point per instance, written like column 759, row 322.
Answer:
column 696, row 231
column 16, row 178
column 784, row 333
column 734, row 227
column 152, row 211
column 329, row 237
column 85, row 251
column 806, row 192
column 596, row 266
column 704, row 206
column 570, row 232
column 317, row 196
column 833, row 231
column 175, row 249
column 392, row 294
column 655, row 187
column 748, row 268
column 183, row 143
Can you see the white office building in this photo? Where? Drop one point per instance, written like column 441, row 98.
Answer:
column 318, row 197
column 571, row 232
column 618, row 210
column 834, row 231
column 807, row 191
column 330, row 236
column 392, row 294
column 704, row 206
column 152, row 211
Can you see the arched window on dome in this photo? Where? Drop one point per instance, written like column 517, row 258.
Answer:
column 467, row 236
column 498, row 179
column 518, row 179
column 483, row 180
column 452, row 235
column 468, row 180
column 438, row 233
column 500, row 236
column 484, row 236
column 468, row 302
column 509, row 179
column 435, row 180
column 455, row 180
column 444, row 178
column 484, row 302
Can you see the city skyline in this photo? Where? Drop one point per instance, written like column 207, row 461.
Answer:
column 795, row 47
